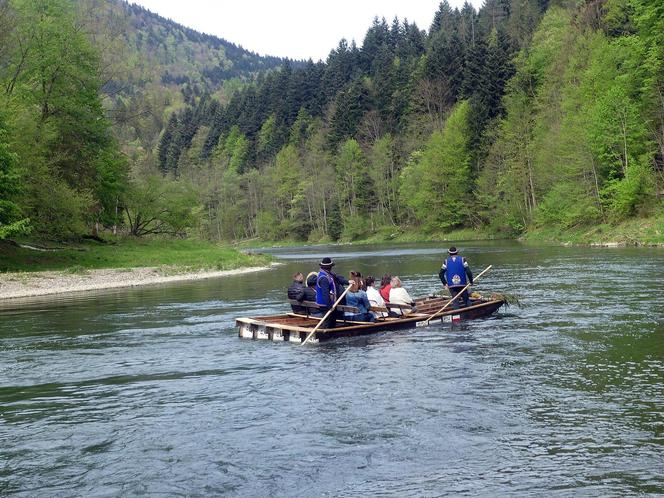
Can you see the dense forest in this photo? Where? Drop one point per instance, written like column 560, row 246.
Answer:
column 524, row 114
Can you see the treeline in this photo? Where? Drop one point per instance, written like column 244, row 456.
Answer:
column 523, row 114
column 84, row 91
column 320, row 151
column 518, row 115
column 582, row 141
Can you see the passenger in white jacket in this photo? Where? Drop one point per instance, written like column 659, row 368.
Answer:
column 399, row 295
column 374, row 296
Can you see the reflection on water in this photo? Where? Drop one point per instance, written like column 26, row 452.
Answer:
column 149, row 390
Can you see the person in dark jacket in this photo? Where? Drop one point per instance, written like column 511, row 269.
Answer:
column 310, row 292
column 310, row 289
column 455, row 274
column 296, row 292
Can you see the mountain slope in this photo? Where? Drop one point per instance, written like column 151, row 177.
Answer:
column 177, row 54
column 154, row 65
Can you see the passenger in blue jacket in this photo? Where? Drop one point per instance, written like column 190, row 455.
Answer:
column 455, row 274
column 357, row 297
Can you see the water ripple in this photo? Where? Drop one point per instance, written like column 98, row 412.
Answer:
column 150, row 392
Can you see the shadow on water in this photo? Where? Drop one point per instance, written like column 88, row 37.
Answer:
column 149, row 390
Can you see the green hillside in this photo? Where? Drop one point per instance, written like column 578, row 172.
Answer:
column 525, row 117
column 152, row 66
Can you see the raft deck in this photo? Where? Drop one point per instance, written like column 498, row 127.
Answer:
column 291, row 327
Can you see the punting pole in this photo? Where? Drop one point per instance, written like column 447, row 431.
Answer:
column 327, row 314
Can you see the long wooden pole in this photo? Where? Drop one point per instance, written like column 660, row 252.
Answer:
column 327, row 314
column 458, row 294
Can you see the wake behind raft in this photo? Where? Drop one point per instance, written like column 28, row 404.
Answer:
column 293, row 327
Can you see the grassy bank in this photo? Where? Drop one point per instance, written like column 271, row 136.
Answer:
column 391, row 234
column 413, row 235
column 647, row 231
column 637, row 232
column 175, row 254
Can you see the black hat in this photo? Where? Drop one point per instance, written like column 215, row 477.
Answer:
column 327, row 262
column 452, row 250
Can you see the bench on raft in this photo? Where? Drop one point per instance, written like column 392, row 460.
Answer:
column 312, row 306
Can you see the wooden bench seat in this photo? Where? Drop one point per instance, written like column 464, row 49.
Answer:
column 403, row 307
column 310, row 305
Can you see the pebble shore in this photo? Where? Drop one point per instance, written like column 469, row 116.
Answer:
column 20, row 285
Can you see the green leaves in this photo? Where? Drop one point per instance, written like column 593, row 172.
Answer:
column 158, row 206
column 436, row 183
column 68, row 160
column 11, row 220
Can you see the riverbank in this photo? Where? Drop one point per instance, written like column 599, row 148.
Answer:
column 648, row 232
column 38, row 269
column 183, row 254
column 388, row 235
column 22, row 284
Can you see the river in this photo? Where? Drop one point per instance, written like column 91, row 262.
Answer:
column 149, row 392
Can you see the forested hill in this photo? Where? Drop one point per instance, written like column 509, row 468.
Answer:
column 86, row 88
column 175, row 53
column 154, row 65
column 525, row 114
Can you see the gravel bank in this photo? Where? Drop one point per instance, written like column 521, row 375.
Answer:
column 18, row 285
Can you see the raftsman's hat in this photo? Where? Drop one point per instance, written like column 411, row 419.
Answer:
column 453, row 250
column 327, row 263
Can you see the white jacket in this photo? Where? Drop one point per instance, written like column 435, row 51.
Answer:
column 376, row 300
column 399, row 295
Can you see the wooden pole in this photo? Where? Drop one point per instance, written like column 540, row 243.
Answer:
column 327, row 314
column 458, row 294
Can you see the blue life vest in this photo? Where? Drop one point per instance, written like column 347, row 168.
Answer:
column 321, row 299
column 455, row 273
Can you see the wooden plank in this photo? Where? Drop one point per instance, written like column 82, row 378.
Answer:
column 399, row 306
column 304, row 304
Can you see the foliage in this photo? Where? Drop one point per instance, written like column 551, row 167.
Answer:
column 70, row 166
column 574, row 147
column 158, row 206
column 11, row 221
column 436, row 184
column 522, row 115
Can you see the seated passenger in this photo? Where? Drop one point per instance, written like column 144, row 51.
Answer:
column 357, row 297
column 385, row 286
column 399, row 295
column 296, row 292
column 310, row 292
column 375, row 299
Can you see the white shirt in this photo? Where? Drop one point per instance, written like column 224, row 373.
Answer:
column 376, row 300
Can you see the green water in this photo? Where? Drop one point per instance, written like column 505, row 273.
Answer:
column 150, row 392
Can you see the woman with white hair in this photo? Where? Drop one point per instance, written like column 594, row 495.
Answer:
column 399, row 295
